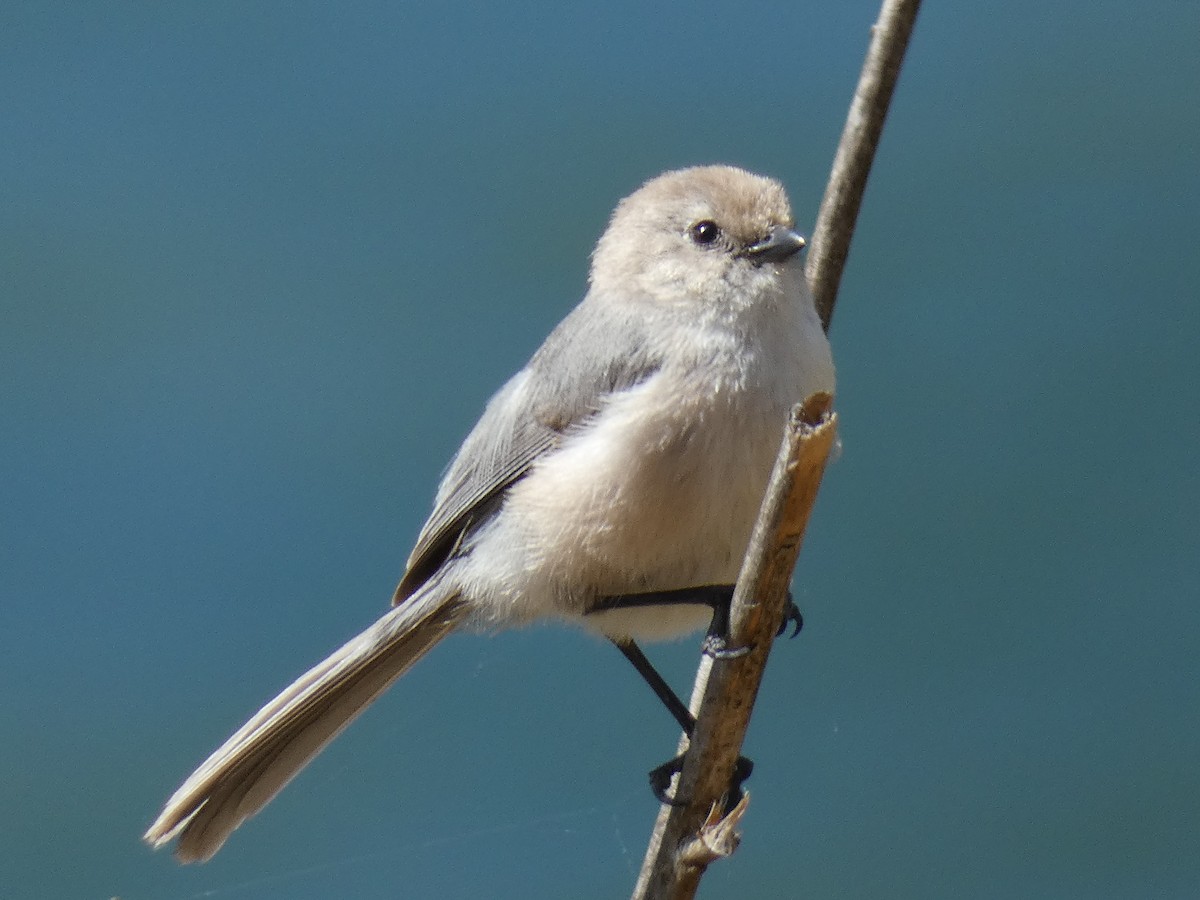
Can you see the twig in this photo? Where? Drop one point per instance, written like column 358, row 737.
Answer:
column 689, row 836
column 718, row 837
column 830, row 245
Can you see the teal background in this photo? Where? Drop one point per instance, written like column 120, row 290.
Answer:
column 261, row 266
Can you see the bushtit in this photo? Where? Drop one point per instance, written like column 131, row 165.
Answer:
column 612, row 482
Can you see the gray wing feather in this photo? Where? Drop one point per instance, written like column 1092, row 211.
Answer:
column 594, row 352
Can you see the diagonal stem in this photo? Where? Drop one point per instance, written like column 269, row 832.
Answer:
column 726, row 697
column 830, row 245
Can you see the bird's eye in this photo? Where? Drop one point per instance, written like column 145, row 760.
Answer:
column 705, row 232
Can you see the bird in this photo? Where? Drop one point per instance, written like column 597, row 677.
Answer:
column 612, row 482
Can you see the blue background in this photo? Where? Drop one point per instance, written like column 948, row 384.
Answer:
column 260, row 267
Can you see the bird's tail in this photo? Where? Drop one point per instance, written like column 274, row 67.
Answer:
column 249, row 769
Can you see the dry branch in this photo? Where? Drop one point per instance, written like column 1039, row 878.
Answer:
column 687, row 838
column 830, row 244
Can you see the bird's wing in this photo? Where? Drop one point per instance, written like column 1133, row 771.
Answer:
column 596, row 351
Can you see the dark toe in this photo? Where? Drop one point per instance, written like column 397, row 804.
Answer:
column 791, row 614
column 742, row 770
column 660, row 781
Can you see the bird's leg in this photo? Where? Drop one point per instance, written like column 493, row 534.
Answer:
column 676, row 707
column 660, row 776
column 717, row 597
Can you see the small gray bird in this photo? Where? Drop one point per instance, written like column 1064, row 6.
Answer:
column 612, row 482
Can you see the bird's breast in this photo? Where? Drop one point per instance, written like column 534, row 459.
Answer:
column 657, row 491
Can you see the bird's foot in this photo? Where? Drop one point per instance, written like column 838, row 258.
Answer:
column 661, row 777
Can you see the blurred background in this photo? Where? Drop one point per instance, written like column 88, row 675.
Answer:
column 261, row 265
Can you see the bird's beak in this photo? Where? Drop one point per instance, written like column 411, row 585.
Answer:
column 779, row 244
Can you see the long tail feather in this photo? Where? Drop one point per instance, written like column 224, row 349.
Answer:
column 250, row 768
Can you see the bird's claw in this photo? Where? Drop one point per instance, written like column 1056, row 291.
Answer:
column 716, row 642
column 717, row 647
column 791, row 614
column 742, row 769
column 660, row 781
